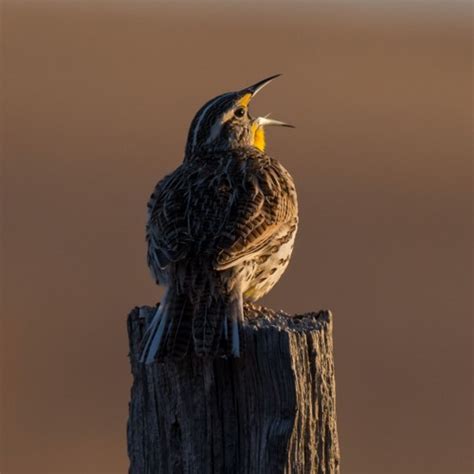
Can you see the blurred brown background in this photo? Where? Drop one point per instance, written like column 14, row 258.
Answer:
column 97, row 100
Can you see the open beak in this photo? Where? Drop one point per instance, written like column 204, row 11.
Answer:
column 256, row 88
column 266, row 121
column 250, row 92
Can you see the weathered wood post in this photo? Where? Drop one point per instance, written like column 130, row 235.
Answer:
column 270, row 411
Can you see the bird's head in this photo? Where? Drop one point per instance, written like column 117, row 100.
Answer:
column 224, row 123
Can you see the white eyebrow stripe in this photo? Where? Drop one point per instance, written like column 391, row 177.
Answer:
column 202, row 115
column 217, row 126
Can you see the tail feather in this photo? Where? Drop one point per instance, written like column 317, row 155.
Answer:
column 212, row 323
column 220, row 324
column 155, row 332
column 179, row 334
column 236, row 317
column 216, row 325
column 205, row 324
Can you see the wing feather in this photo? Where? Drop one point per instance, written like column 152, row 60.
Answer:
column 261, row 214
column 221, row 211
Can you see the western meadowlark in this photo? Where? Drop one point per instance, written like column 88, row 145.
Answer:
column 220, row 230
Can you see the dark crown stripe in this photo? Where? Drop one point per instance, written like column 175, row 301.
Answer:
column 205, row 118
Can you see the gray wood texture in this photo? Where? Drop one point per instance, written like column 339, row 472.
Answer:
column 272, row 410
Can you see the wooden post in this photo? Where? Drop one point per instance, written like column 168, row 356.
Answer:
column 272, row 411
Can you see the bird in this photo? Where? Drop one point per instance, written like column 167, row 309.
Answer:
column 220, row 230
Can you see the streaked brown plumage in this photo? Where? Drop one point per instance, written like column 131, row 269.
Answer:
column 221, row 229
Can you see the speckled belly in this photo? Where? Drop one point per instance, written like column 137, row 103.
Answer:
column 264, row 271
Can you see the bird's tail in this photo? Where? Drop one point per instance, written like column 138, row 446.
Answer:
column 216, row 324
column 170, row 330
column 212, row 321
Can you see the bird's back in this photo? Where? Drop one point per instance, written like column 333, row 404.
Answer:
column 208, row 220
column 218, row 209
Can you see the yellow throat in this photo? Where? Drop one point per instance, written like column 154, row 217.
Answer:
column 258, row 137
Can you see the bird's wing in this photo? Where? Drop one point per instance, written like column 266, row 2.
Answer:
column 218, row 212
column 265, row 204
column 166, row 231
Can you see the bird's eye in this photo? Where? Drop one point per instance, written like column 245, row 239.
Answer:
column 240, row 112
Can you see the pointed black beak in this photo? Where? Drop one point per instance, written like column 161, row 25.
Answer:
column 259, row 85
